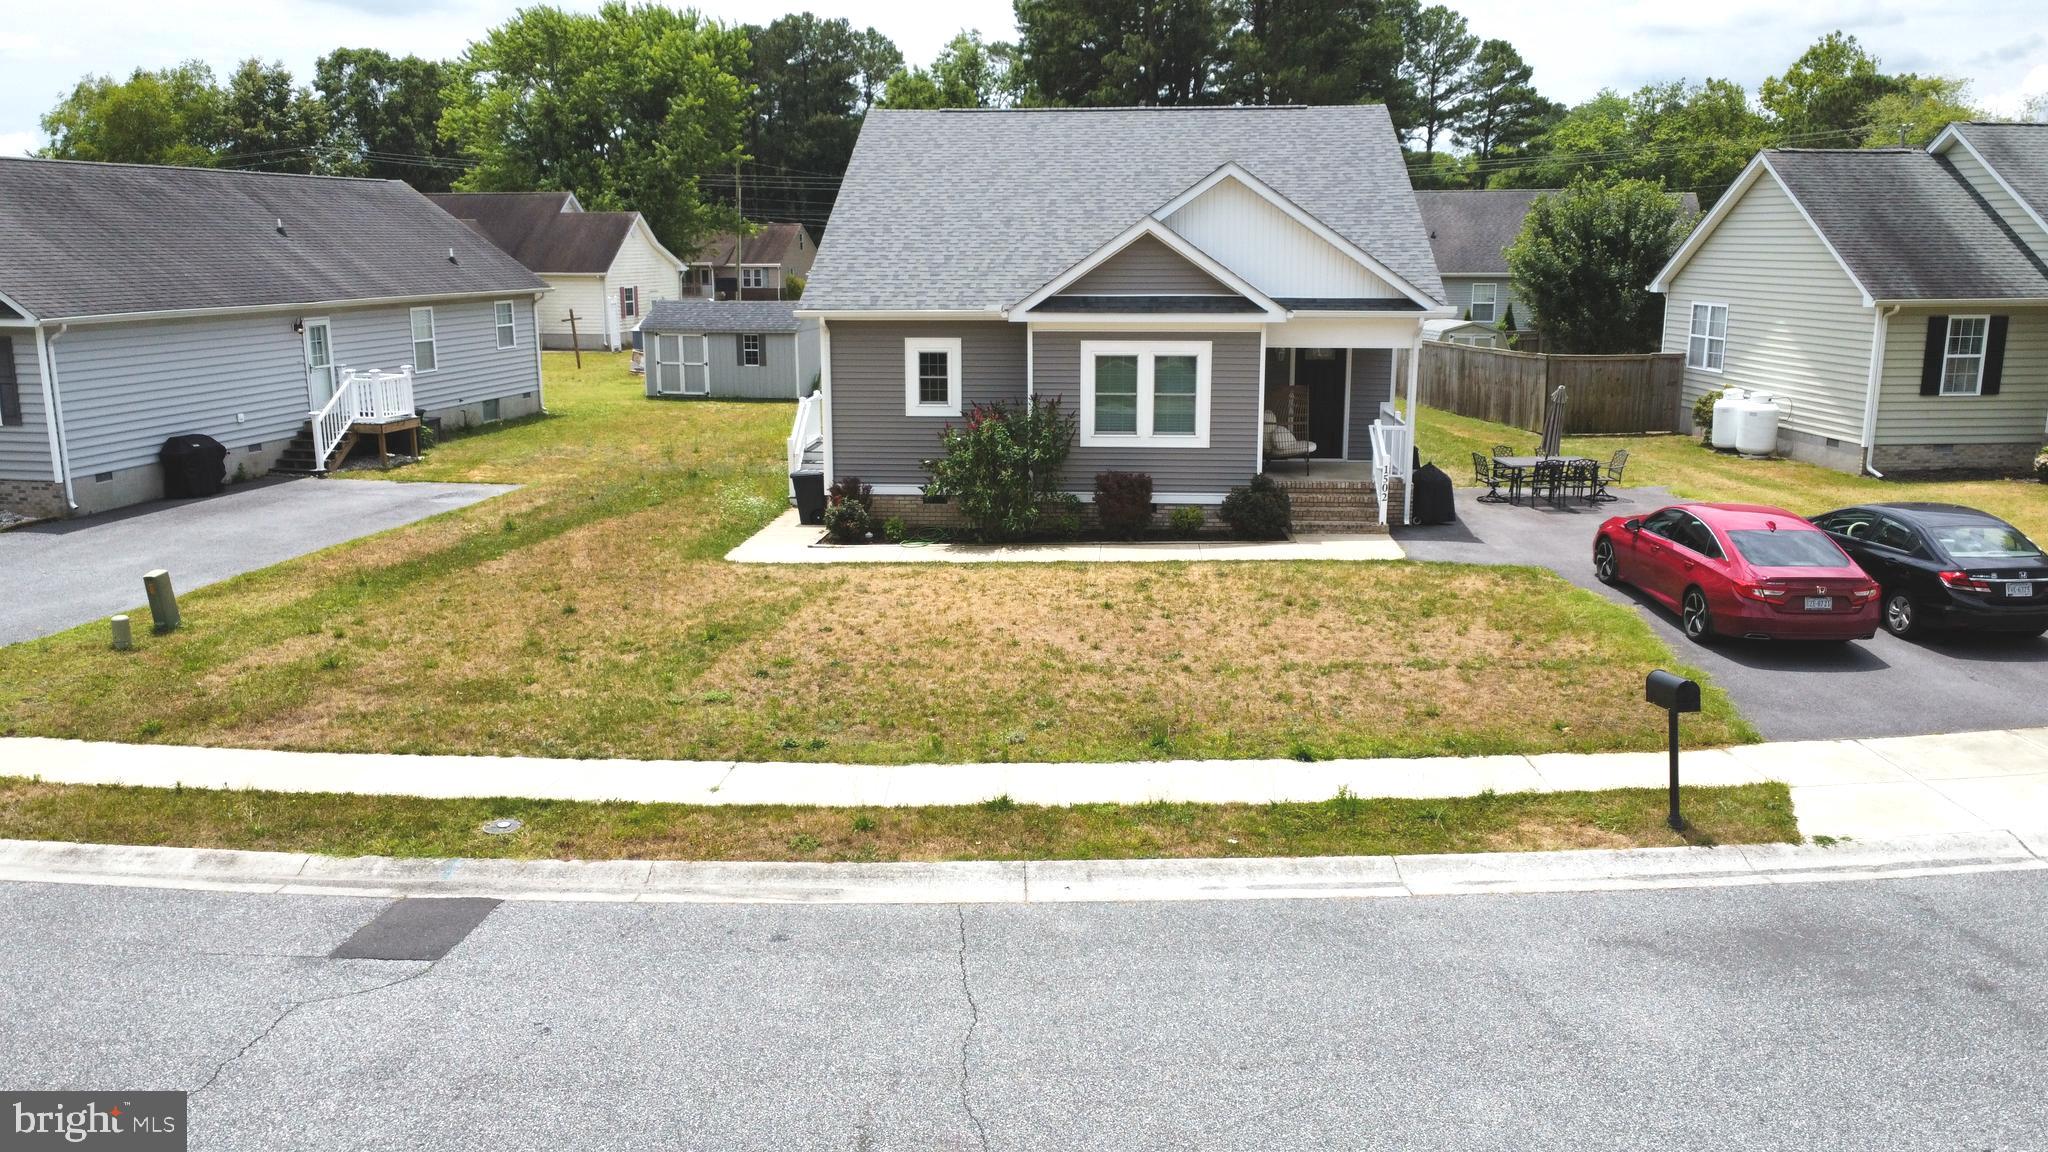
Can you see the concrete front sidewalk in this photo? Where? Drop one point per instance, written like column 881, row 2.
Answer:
column 786, row 541
column 1966, row 782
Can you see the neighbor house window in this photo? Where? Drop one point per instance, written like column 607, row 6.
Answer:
column 931, row 376
column 1484, row 300
column 1962, row 362
column 753, row 277
column 1707, row 344
column 508, row 330
column 1151, row 394
column 629, row 301
column 750, row 350
column 424, row 352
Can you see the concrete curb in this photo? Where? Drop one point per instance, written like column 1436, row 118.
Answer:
column 1018, row 882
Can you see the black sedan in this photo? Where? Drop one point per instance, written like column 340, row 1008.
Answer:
column 1943, row 566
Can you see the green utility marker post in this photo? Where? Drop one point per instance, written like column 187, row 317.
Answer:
column 124, row 639
column 163, row 603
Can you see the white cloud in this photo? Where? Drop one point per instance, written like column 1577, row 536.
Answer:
column 19, row 143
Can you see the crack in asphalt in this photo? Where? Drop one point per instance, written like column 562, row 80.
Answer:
column 295, row 1005
column 967, row 1040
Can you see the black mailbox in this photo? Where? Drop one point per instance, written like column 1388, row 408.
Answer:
column 1672, row 692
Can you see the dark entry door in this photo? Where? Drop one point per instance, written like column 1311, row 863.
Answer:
column 1320, row 374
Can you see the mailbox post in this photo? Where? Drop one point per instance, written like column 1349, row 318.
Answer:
column 1674, row 694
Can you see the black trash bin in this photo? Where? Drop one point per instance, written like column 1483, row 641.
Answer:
column 810, row 496
column 1434, row 502
column 193, row 466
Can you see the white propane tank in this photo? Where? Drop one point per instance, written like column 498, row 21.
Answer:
column 1726, row 417
column 1756, row 429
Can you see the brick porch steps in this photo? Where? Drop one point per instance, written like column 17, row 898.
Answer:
column 1323, row 506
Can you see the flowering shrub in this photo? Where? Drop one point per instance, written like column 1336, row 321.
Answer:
column 1258, row 511
column 1123, row 503
column 848, row 516
column 1002, row 466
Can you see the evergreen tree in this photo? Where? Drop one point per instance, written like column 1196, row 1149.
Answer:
column 1437, row 70
column 1120, row 52
column 1504, row 111
column 269, row 123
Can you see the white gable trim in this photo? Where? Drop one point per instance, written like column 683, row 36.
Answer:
column 1757, row 167
column 647, row 230
column 1233, row 171
column 1149, row 226
column 27, row 317
column 1949, row 135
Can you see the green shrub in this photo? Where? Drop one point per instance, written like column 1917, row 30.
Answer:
column 1703, row 414
column 1123, row 503
column 1258, row 511
column 848, row 515
column 1002, row 466
column 894, row 530
column 1186, row 520
column 2041, row 467
column 1061, row 516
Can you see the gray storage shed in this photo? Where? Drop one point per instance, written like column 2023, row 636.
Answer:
column 753, row 349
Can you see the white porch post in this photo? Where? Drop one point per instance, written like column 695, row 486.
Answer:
column 1414, row 423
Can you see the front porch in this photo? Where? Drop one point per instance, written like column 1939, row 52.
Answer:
column 1328, row 418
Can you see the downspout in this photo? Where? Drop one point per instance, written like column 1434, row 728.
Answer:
column 540, row 385
column 53, row 408
column 1875, row 387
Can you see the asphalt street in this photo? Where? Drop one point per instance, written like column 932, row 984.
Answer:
column 1789, row 690
column 1894, row 1013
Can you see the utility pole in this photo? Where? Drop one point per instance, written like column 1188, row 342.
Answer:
column 739, row 236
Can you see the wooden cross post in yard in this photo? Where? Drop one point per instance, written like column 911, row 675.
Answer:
column 575, row 341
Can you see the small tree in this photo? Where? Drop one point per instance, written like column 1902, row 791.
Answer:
column 1510, row 332
column 1003, row 465
column 1584, row 262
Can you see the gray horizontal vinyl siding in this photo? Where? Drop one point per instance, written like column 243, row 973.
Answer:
column 2018, row 413
column 1458, row 294
column 1146, row 267
column 1372, row 384
column 470, row 367
column 870, row 436
column 1797, row 327
column 773, row 378
column 1234, row 405
column 25, row 448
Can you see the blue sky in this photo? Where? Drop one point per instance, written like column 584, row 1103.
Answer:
column 1576, row 48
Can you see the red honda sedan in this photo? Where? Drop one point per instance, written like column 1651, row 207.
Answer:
column 1740, row 570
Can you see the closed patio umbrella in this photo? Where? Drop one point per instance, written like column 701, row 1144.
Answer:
column 1553, row 424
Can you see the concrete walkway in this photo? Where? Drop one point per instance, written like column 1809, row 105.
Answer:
column 786, row 541
column 1899, row 786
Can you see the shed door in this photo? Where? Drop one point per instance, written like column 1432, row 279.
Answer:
column 682, row 366
column 319, row 363
column 696, row 365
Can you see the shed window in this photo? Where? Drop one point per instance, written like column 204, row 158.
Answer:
column 1484, row 302
column 1962, row 362
column 931, row 376
column 508, row 330
column 750, row 349
column 1706, row 345
column 425, row 353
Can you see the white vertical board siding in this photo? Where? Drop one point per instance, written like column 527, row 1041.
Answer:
column 807, row 357
column 471, row 366
column 584, row 295
column 2001, row 202
column 25, row 448
column 1280, row 256
column 1146, row 266
column 1797, row 326
column 871, row 437
column 2018, row 413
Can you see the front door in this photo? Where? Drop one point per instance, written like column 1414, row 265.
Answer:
column 319, row 363
column 1319, row 373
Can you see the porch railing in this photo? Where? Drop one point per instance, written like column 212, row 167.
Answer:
column 369, row 397
column 1393, row 458
column 805, row 431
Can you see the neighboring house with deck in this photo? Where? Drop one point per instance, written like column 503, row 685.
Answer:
column 740, row 349
column 605, row 268
column 1893, row 301
column 769, row 265
column 139, row 303
column 1184, row 280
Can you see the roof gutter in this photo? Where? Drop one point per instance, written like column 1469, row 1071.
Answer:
column 1875, row 386
column 298, row 306
column 53, row 409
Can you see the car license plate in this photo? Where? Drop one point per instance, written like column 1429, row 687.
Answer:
column 1820, row 603
column 2019, row 588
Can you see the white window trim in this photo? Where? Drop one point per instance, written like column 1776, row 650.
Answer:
column 1146, row 351
column 913, row 345
column 756, row 277
column 1948, row 358
column 1706, row 336
column 750, row 357
column 433, row 340
column 1492, row 303
column 500, row 328
column 629, row 292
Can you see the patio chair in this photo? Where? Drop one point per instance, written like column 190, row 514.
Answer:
column 1547, row 479
column 1503, row 450
column 1581, row 477
column 1483, row 473
column 1611, row 476
column 1281, row 444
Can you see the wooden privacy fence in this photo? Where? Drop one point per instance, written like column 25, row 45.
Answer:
column 1603, row 393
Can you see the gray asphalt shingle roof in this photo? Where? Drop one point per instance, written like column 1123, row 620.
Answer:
column 533, row 227
column 99, row 239
column 1909, row 226
column 976, row 209
column 1470, row 231
column 2018, row 153
column 720, row 316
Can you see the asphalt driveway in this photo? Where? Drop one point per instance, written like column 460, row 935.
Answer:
column 66, row 572
column 1790, row 691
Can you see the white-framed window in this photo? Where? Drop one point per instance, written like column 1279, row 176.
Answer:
column 753, row 277
column 425, row 353
column 629, row 301
column 931, row 376
column 750, row 350
column 1962, row 361
column 1485, row 303
column 1150, row 393
column 1706, row 345
column 508, row 325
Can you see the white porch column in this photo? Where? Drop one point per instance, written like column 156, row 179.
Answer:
column 1414, row 414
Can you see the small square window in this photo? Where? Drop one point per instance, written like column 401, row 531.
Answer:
column 931, row 376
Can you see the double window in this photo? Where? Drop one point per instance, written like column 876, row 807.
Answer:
column 1152, row 394
column 1706, row 345
column 1485, row 304
column 1962, row 361
column 508, row 329
column 931, row 376
column 425, row 354
column 753, row 277
column 750, row 350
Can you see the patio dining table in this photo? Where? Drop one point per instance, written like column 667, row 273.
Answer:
column 1519, row 467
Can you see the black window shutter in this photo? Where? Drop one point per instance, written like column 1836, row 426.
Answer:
column 1930, row 360
column 1994, row 355
column 739, row 350
column 10, row 384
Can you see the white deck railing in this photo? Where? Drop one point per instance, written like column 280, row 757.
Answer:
column 805, row 431
column 1393, row 458
column 370, row 397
